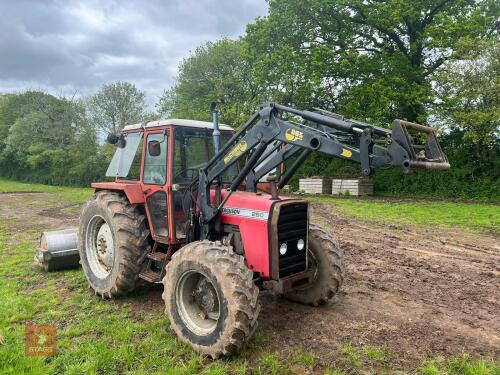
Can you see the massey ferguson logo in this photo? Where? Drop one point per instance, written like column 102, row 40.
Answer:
column 231, row 211
column 242, row 212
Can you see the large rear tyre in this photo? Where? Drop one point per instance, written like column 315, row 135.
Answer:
column 326, row 260
column 112, row 241
column 210, row 298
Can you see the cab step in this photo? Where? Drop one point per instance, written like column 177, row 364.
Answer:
column 157, row 256
column 150, row 276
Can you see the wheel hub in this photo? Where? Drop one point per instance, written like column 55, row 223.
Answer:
column 205, row 296
column 105, row 246
column 197, row 302
column 99, row 246
column 102, row 245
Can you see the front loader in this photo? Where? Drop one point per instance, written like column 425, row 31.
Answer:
column 197, row 208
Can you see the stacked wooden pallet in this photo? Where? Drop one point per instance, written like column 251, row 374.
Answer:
column 316, row 185
column 356, row 187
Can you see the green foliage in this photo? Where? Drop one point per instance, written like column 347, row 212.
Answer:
column 48, row 140
column 215, row 71
column 469, row 90
column 377, row 354
column 461, row 365
column 304, row 358
column 56, row 141
column 352, row 354
column 472, row 175
column 116, row 105
column 372, row 61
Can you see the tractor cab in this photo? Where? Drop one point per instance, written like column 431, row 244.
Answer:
column 156, row 162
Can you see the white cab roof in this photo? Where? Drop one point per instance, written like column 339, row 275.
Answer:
column 179, row 122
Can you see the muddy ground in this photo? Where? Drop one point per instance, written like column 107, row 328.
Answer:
column 419, row 292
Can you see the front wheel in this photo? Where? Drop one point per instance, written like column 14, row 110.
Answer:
column 326, row 260
column 210, row 298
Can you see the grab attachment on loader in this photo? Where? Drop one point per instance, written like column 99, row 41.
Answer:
column 421, row 146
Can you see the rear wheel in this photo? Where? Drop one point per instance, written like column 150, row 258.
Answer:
column 326, row 260
column 112, row 241
column 210, row 298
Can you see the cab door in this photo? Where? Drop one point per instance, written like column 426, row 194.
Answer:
column 154, row 183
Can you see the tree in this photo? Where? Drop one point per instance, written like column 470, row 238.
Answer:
column 370, row 59
column 214, row 71
column 48, row 140
column 469, row 95
column 14, row 106
column 116, row 105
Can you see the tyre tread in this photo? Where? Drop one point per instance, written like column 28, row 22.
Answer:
column 243, row 300
column 132, row 240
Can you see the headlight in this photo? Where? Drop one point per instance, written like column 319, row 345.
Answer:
column 283, row 249
column 301, row 244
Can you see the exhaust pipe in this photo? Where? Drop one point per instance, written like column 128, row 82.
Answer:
column 216, row 132
column 58, row 250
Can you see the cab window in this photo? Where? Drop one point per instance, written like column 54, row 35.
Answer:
column 193, row 149
column 155, row 160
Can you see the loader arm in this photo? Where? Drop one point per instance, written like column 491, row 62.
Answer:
column 268, row 140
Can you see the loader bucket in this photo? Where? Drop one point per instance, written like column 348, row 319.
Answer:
column 421, row 144
column 58, row 250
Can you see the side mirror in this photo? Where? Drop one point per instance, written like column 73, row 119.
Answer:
column 116, row 140
column 154, row 148
column 112, row 139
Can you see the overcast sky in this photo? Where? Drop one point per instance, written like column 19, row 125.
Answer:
column 67, row 46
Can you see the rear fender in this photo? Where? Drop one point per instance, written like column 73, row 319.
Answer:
column 132, row 190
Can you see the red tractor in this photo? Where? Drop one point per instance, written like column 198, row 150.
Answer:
column 207, row 221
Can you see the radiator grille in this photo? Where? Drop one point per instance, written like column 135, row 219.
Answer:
column 292, row 226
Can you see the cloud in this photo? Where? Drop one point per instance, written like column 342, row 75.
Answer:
column 77, row 46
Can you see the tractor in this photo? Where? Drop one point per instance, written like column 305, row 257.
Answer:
column 197, row 206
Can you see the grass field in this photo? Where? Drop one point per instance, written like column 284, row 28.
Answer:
column 458, row 215
column 67, row 194
column 107, row 337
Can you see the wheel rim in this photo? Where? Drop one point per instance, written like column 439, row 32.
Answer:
column 198, row 302
column 313, row 264
column 100, row 247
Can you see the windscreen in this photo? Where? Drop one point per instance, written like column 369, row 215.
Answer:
column 127, row 158
column 193, row 149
